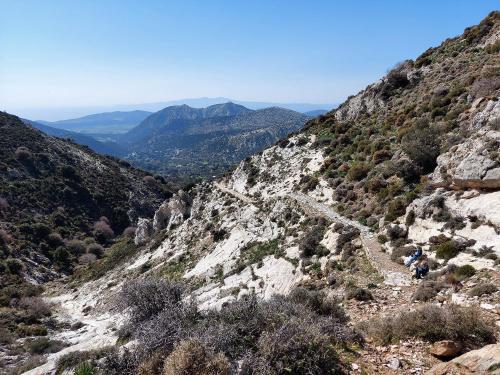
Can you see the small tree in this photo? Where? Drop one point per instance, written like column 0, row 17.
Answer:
column 422, row 145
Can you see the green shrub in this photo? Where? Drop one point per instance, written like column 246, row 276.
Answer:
column 410, row 218
column 358, row 171
column 382, row 238
column 422, row 145
column 15, row 266
column 84, row 368
column 465, row 271
column 310, row 243
column 395, row 209
column 447, row 250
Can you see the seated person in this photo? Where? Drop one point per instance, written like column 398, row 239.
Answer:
column 417, row 254
column 422, row 268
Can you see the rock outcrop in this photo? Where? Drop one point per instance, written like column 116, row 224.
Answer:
column 482, row 361
column 473, row 164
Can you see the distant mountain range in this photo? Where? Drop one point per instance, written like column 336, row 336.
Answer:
column 55, row 114
column 181, row 140
column 195, row 142
column 108, row 122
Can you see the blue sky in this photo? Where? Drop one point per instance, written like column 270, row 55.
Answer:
column 90, row 53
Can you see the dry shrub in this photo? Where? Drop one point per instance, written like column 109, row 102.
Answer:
column 194, row 358
column 160, row 318
column 359, row 294
column 5, row 238
column 433, row 323
column 482, row 289
column 297, row 347
column 87, row 259
column 152, row 365
column 398, row 253
column 485, row 86
column 149, row 297
column 105, row 219
column 102, row 230
column 129, row 232
column 150, row 180
column 427, row 290
column 36, row 306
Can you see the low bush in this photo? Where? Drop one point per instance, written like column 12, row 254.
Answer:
column 95, row 249
column 15, row 266
column 465, row 271
column 310, row 243
column 359, row 294
column 422, row 145
column 358, row 171
column 153, row 364
column 410, row 218
column 483, row 289
column 433, row 323
column 77, row 358
column 44, row 346
column 76, row 247
column 23, row 154
column 102, row 231
column 129, row 232
column 298, row 332
column 55, row 239
column 194, row 358
column 85, row 368
column 87, row 259
column 36, row 306
column 427, row 290
column 447, row 250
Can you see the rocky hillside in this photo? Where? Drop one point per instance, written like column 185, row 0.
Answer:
column 51, row 188
column 105, row 148
column 293, row 262
column 195, row 142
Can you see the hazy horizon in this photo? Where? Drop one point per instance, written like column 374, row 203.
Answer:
column 65, row 59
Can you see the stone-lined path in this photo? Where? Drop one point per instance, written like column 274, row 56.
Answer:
column 393, row 273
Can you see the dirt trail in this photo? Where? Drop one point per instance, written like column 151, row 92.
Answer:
column 393, row 273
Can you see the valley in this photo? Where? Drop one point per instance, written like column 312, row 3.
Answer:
column 364, row 240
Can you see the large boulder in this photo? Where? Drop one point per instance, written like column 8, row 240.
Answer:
column 143, row 232
column 171, row 213
column 445, row 348
column 482, row 361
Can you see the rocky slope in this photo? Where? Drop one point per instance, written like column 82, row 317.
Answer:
column 195, row 142
column 105, row 148
column 409, row 161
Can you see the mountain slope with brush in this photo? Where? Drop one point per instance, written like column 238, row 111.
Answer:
column 206, row 141
column 310, row 227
